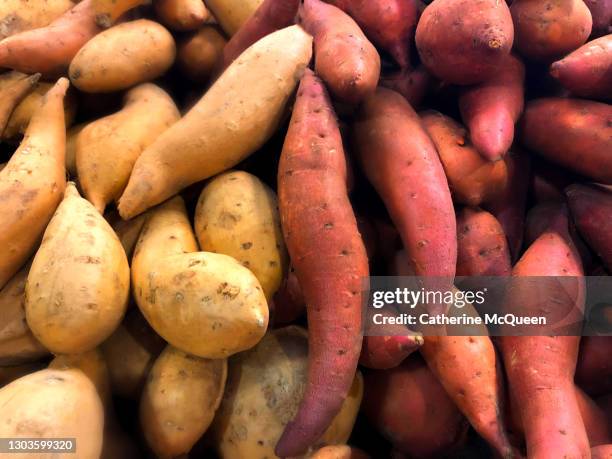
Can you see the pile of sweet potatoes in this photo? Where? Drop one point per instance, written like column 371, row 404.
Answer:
column 194, row 195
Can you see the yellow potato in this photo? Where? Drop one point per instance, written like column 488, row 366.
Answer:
column 79, row 282
column 237, row 215
column 179, row 401
column 32, row 183
column 234, row 118
column 263, row 392
column 14, row 87
column 53, row 404
column 203, row 303
column 107, row 149
column 130, row 352
column 21, row 15
column 231, row 14
column 108, row 11
column 22, row 114
column 124, row 55
column 198, row 53
column 17, row 343
column 182, row 15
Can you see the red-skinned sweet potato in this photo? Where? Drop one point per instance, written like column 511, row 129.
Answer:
column 587, row 72
column 543, row 387
column 545, row 31
column 491, row 108
column 482, row 247
column 270, row 16
column 344, row 58
column 412, row 84
column 316, row 212
column 594, row 368
column 389, row 24
column 601, row 12
column 410, row 179
column 49, row 50
column 601, row 452
column 591, row 209
column 464, row 41
column 473, row 180
column 412, row 410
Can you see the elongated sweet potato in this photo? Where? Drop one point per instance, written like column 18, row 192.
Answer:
column 601, row 12
column 412, row 84
column 271, row 15
column 315, row 211
column 182, row 15
column 594, row 369
column 20, row 15
column 545, row 31
column 544, row 387
column 410, row 180
column 463, row 41
column 389, row 24
column 233, row 119
column 16, row 89
column 344, row 58
column 472, row 179
column 574, row 133
column 32, row 183
column 482, row 247
column 491, row 108
column 587, row 72
column 400, row 403
column 49, row 50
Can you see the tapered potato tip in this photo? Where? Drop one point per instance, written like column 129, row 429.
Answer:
column 71, row 190
column 60, row 88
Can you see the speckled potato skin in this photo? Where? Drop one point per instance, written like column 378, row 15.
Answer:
column 180, row 400
column 203, row 303
column 122, row 56
column 237, row 215
column 231, row 14
column 264, row 389
column 20, row 15
column 54, row 404
column 79, row 282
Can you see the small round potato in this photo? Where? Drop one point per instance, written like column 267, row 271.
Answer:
column 237, row 215
column 123, row 56
column 180, row 400
column 54, row 404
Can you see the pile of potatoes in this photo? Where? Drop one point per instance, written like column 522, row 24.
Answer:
column 194, row 193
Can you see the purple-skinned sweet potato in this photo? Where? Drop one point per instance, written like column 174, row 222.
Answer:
column 601, row 12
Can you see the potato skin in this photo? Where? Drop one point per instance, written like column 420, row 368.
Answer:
column 106, row 149
column 21, row 15
column 237, row 215
column 182, row 15
column 54, row 404
column 179, row 401
column 108, row 11
column 547, row 30
column 198, row 54
column 574, row 133
column 122, row 56
column 601, row 12
column 267, row 382
column 14, row 87
column 232, row 14
column 79, row 282
column 467, row 50
column 339, row 452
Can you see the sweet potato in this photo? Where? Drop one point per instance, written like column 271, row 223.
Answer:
column 270, row 16
column 544, row 388
column 601, row 12
column 179, row 401
column 412, row 410
column 468, row 50
column 17, row 87
column 491, row 108
column 482, row 247
column 233, row 119
column 587, row 72
column 472, row 179
column 182, row 15
column 574, row 133
column 545, row 31
column 412, row 84
column 316, row 212
column 106, row 12
column 344, row 58
column 509, row 207
column 594, row 369
column 198, row 54
column 232, row 14
column 218, row 306
column 32, row 183
column 21, row 15
column 147, row 51
column 601, row 452
column 410, row 180
column 79, row 282
column 49, row 50
column 339, row 452
column 389, row 24
column 106, row 149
